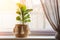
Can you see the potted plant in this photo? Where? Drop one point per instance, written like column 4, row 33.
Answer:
column 22, row 29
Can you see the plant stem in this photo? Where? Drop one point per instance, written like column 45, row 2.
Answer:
column 22, row 15
column 22, row 18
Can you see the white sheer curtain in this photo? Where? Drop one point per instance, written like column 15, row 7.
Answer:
column 37, row 16
column 38, row 20
column 52, row 11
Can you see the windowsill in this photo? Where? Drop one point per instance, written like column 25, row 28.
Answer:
column 41, row 36
column 33, row 33
column 30, row 37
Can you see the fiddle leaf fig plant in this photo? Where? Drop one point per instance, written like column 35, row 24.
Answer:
column 23, row 13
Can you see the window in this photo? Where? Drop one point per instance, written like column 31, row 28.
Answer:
column 39, row 22
column 8, row 16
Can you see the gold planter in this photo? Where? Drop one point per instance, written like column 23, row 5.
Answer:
column 21, row 30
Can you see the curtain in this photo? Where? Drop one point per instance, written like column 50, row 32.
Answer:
column 52, row 12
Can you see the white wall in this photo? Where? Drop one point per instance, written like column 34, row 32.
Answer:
column 7, row 14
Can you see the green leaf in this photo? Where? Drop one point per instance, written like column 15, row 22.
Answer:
column 25, row 13
column 27, row 20
column 18, row 18
column 26, row 17
column 17, row 12
column 29, row 10
column 23, row 8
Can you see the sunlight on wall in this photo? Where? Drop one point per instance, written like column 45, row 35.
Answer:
column 7, row 5
column 16, row 1
column 7, row 14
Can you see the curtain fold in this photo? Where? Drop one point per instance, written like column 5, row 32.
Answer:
column 51, row 10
